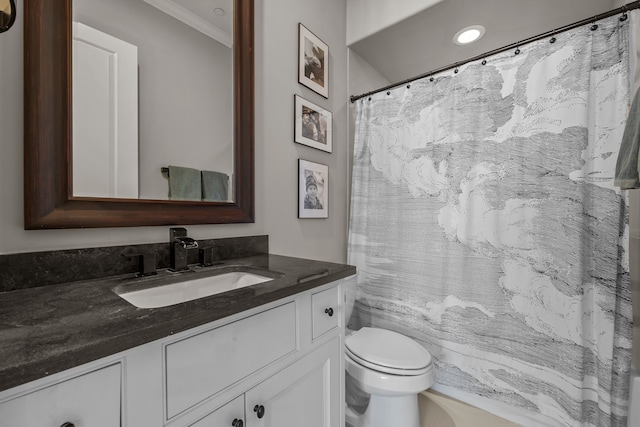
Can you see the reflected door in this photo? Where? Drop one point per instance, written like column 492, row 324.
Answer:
column 105, row 111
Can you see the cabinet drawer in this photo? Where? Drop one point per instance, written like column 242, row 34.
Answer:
column 202, row 365
column 92, row 400
column 325, row 308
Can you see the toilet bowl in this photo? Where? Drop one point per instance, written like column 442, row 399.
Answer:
column 385, row 371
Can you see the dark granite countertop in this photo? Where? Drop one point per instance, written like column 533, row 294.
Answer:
column 48, row 329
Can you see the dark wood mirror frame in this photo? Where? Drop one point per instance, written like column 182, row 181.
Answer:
column 48, row 200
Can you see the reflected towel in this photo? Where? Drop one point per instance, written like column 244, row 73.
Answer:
column 215, row 186
column 628, row 161
column 184, row 183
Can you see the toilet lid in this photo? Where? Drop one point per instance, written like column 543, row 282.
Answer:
column 387, row 349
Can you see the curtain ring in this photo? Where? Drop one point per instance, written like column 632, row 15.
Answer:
column 624, row 14
column 517, row 52
column 484, row 62
column 408, row 86
column 552, row 40
column 431, row 79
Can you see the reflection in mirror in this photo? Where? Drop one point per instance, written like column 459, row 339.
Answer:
column 152, row 88
column 49, row 201
column 7, row 14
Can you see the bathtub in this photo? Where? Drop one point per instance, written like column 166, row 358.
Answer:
column 456, row 414
column 634, row 399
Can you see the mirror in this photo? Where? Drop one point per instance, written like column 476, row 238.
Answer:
column 7, row 14
column 168, row 64
column 49, row 199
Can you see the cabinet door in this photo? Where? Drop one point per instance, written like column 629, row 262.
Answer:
column 90, row 400
column 306, row 393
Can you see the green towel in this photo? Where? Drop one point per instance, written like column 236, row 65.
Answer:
column 628, row 164
column 184, row 183
column 215, row 186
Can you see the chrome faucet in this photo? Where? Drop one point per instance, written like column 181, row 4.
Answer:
column 179, row 245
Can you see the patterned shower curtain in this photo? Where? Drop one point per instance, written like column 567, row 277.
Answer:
column 485, row 225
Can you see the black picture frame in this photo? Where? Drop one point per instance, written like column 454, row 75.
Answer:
column 313, row 62
column 313, row 203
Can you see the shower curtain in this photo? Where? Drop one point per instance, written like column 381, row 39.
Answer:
column 485, row 225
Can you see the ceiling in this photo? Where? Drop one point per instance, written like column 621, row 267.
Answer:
column 216, row 12
column 214, row 18
column 423, row 42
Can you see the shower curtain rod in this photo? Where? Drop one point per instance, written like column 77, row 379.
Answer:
column 630, row 6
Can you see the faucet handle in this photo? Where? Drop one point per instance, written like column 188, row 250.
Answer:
column 146, row 263
column 206, row 256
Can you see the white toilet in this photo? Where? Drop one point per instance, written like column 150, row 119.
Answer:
column 385, row 371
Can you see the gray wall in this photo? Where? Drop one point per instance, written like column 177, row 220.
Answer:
column 276, row 42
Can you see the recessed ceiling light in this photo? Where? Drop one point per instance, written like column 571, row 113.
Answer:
column 219, row 11
column 469, row 34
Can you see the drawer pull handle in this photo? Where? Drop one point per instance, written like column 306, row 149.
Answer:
column 259, row 410
column 67, row 424
column 329, row 311
column 237, row 423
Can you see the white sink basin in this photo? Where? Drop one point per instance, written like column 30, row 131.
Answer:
column 165, row 295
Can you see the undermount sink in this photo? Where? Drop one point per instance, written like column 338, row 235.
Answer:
column 175, row 293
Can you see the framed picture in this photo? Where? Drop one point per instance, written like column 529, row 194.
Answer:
column 313, row 62
column 313, row 190
column 313, row 125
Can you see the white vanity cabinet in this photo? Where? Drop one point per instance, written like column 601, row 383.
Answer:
column 276, row 365
column 288, row 357
column 91, row 399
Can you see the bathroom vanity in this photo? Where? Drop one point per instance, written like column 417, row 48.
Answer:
column 270, row 354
